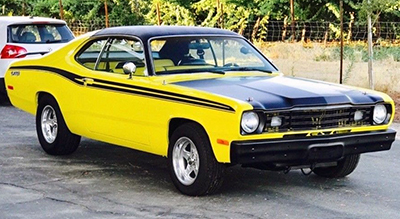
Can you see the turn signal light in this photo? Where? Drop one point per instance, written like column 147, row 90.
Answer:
column 222, row 141
column 11, row 52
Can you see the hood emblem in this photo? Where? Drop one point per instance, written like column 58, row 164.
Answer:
column 317, row 120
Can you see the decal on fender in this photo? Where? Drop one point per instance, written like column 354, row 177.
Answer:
column 15, row 73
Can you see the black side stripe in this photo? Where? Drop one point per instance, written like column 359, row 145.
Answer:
column 157, row 96
column 69, row 75
column 157, row 91
column 127, row 88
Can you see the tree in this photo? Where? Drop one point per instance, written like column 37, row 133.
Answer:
column 46, row 8
column 16, row 7
column 220, row 13
column 129, row 12
column 170, row 13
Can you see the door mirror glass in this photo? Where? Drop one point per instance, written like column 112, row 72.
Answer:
column 129, row 68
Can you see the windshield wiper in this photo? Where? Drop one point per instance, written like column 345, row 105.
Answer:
column 221, row 72
column 247, row 69
column 53, row 41
column 190, row 71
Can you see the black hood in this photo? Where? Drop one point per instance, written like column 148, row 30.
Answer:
column 278, row 92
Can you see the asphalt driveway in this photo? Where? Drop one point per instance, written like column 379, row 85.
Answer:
column 105, row 181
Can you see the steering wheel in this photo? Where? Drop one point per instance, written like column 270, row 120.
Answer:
column 231, row 64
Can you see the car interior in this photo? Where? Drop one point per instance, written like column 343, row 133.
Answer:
column 172, row 54
column 38, row 33
column 27, row 37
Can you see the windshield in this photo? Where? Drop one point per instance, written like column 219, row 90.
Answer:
column 206, row 54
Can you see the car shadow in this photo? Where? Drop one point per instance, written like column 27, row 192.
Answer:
column 95, row 159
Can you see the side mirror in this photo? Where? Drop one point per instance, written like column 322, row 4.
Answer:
column 244, row 50
column 129, row 68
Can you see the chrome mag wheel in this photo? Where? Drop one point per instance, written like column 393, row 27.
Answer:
column 186, row 162
column 49, row 124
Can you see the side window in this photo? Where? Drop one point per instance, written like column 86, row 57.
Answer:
column 90, row 53
column 110, row 55
column 119, row 51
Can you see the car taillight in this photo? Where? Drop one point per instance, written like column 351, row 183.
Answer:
column 10, row 52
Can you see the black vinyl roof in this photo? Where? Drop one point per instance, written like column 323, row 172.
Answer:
column 147, row 32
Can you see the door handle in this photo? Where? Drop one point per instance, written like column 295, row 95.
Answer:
column 87, row 81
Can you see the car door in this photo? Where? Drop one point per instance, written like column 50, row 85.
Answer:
column 111, row 113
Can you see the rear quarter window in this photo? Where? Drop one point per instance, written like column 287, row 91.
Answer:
column 39, row 33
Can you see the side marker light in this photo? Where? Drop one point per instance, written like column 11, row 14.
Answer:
column 222, row 141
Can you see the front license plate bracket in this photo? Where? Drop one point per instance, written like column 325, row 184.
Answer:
column 325, row 152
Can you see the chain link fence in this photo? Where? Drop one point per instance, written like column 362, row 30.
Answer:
column 326, row 31
column 273, row 31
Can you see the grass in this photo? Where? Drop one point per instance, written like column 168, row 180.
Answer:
column 313, row 60
column 321, row 63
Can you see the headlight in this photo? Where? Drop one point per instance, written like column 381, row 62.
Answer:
column 250, row 122
column 380, row 114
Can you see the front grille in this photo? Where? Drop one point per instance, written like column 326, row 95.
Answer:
column 318, row 118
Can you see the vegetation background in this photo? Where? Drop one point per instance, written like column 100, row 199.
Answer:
column 310, row 49
column 204, row 12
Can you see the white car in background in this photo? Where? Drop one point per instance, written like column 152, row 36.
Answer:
column 22, row 37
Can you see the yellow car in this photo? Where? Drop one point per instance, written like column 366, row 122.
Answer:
column 204, row 98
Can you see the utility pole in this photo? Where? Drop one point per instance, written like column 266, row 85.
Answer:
column 222, row 17
column 23, row 8
column 341, row 42
column 61, row 10
column 158, row 13
column 370, row 52
column 292, row 17
column 106, row 11
column 220, row 10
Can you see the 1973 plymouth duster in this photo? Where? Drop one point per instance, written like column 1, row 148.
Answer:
column 204, row 98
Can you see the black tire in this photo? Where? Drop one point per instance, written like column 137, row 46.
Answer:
column 3, row 93
column 4, row 99
column 344, row 167
column 62, row 141
column 210, row 173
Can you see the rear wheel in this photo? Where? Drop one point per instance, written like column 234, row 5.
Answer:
column 192, row 165
column 3, row 93
column 343, row 168
column 54, row 135
column 4, row 99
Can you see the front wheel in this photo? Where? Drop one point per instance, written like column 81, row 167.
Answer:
column 54, row 135
column 343, row 168
column 192, row 165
